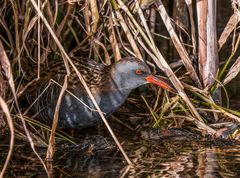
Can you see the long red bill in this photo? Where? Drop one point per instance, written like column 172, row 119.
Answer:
column 154, row 80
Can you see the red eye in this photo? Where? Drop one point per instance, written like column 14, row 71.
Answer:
column 138, row 72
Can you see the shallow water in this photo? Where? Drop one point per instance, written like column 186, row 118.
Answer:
column 178, row 159
column 182, row 159
column 151, row 158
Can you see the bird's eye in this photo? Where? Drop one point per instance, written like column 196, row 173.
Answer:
column 138, row 72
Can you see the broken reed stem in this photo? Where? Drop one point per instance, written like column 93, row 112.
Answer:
column 81, row 79
column 232, row 73
column 210, row 102
column 204, row 96
column 11, row 128
column 231, row 26
column 51, row 145
column 223, row 70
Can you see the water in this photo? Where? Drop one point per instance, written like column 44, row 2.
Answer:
column 182, row 159
column 151, row 158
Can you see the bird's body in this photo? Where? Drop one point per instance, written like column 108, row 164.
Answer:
column 110, row 86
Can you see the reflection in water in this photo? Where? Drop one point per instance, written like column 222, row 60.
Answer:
column 165, row 158
column 217, row 163
column 188, row 160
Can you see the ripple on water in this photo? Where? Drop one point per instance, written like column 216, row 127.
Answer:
column 163, row 158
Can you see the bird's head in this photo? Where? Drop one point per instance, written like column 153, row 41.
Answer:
column 130, row 73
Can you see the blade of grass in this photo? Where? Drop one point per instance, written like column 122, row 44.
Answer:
column 154, row 115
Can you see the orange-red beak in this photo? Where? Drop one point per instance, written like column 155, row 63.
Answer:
column 156, row 81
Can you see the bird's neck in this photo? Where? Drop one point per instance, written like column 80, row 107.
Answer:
column 114, row 92
column 113, row 99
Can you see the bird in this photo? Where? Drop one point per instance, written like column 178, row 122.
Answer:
column 109, row 84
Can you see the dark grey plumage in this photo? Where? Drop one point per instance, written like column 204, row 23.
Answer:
column 110, row 86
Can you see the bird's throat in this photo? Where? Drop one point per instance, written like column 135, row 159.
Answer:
column 112, row 100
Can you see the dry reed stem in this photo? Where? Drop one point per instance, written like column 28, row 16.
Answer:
column 224, row 112
column 39, row 42
column 106, row 55
column 193, row 30
column 49, row 13
column 87, row 18
column 45, row 89
column 166, row 107
column 153, row 51
column 69, row 92
column 160, row 61
column 6, row 67
column 113, row 40
column 232, row 73
column 11, row 128
column 51, row 82
column 157, row 99
column 17, row 38
column 173, row 116
column 51, row 143
column 41, row 139
column 124, row 171
column 231, row 25
column 26, row 31
column 6, row 28
column 81, row 79
column 181, row 50
column 127, row 32
column 64, row 21
column 205, row 96
column 234, row 50
column 95, row 15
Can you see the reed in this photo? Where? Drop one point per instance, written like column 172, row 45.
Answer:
column 35, row 33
